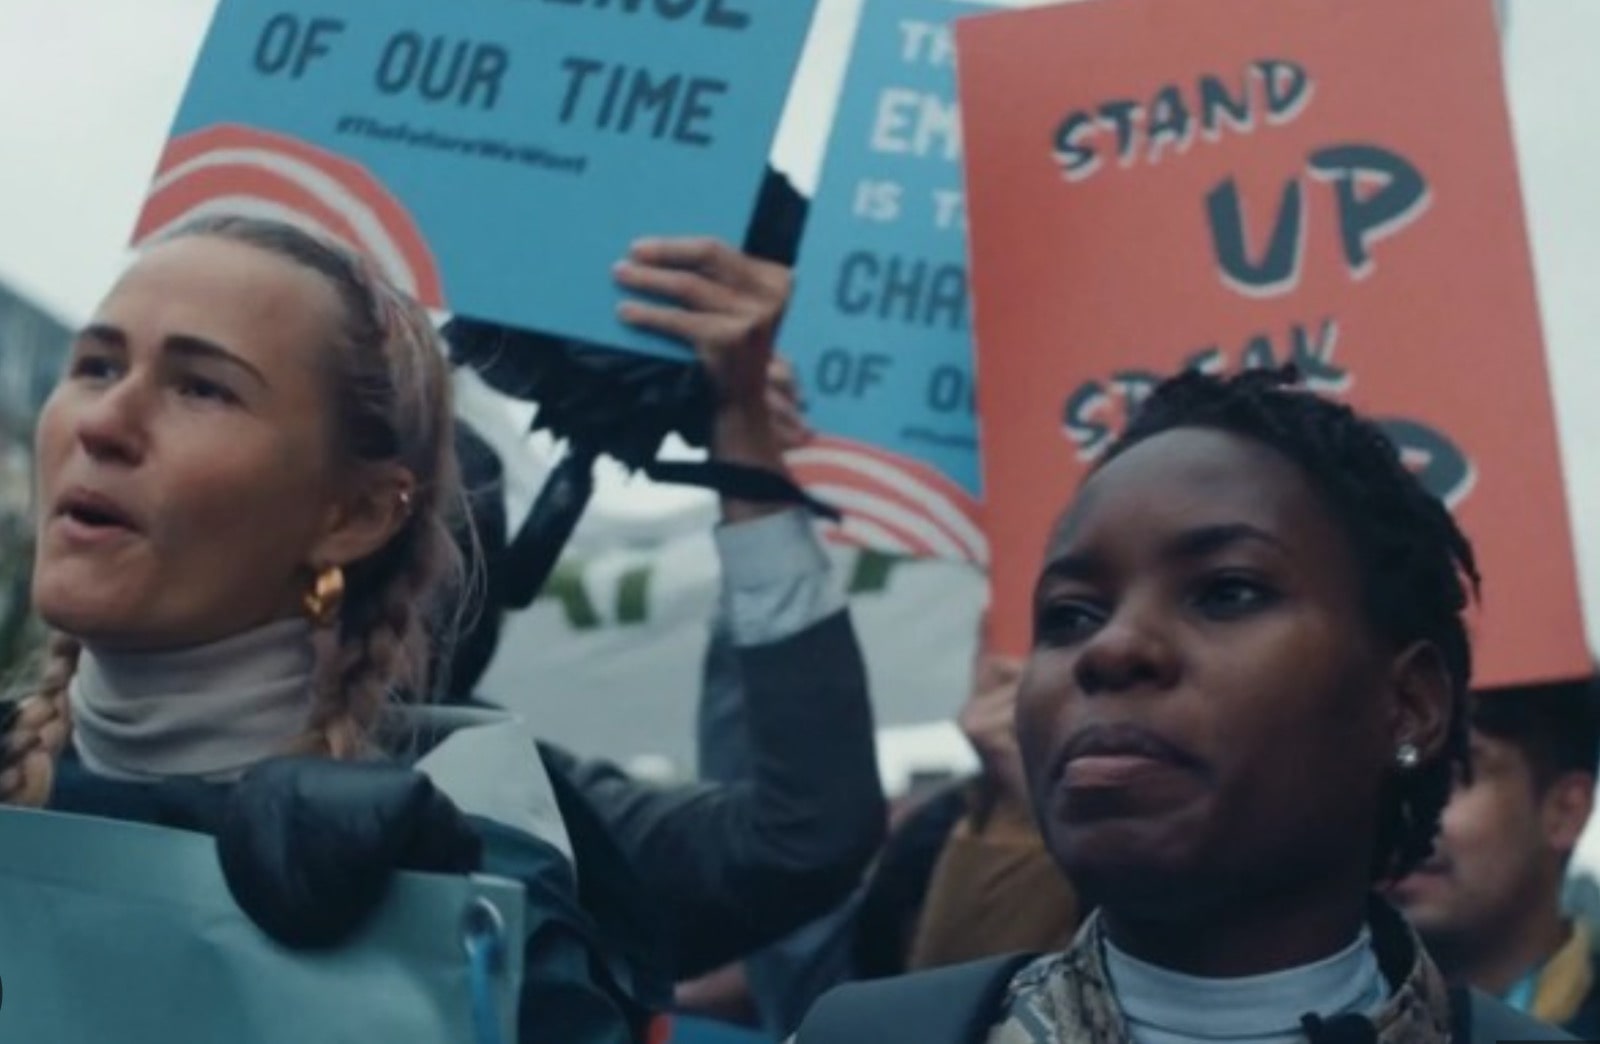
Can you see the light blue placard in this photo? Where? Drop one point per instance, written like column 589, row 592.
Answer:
column 880, row 326
column 530, row 141
column 126, row 933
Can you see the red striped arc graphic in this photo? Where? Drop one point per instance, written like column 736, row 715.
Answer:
column 891, row 503
column 233, row 169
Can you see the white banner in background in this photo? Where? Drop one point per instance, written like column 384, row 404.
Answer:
column 608, row 660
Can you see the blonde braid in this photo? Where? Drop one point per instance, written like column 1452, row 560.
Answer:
column 380, row 652
column 387, row 624
column 55, row 677
column 59, row 662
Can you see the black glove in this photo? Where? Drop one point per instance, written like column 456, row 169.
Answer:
column 308, row 845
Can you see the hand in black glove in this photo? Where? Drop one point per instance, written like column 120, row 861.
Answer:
column 308, row 845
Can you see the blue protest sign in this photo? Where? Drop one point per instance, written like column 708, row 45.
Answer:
column 125, row 932
column 495, row 156
column 879, row 329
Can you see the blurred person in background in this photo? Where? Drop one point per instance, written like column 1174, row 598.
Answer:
column 1488, row 902
column 725, row 866
column 964, row 873
column 994, row 887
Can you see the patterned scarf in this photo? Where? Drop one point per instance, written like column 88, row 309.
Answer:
column 1067, row 998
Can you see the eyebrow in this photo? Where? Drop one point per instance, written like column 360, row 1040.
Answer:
column 182, row 345
column 1208, row 540
column 1191, row 544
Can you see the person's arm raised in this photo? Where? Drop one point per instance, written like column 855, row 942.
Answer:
column 727, row 306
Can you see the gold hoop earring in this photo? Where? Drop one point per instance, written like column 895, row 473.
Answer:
column 323, row 601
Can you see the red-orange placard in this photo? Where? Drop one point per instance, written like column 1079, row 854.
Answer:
column 1160, row 183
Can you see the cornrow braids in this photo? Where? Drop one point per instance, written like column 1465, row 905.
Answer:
column 1418, row 570
column 391, row 403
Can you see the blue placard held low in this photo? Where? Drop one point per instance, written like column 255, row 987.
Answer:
column 879, row 331
column 495, row 156
column 125, row 933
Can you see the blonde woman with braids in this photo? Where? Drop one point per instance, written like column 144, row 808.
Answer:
column 250, row 447
column 246, row 486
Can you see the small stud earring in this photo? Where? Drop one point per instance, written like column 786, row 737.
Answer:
column 1407, row 756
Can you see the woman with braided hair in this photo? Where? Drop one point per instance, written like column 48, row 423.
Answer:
column 1242, row 713
column 247, row 488
column 251, row 446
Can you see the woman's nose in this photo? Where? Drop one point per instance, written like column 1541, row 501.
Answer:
column 112, row 426
column 1124, row 655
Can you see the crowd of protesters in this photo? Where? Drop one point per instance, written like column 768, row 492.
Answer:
column 1241, row 789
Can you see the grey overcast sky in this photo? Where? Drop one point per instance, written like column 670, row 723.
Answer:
column 87, row 88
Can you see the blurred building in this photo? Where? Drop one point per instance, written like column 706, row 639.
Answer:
column 33, row 347
column 33, row 344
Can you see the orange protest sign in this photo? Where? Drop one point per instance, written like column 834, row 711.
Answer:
column 1222, row 183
